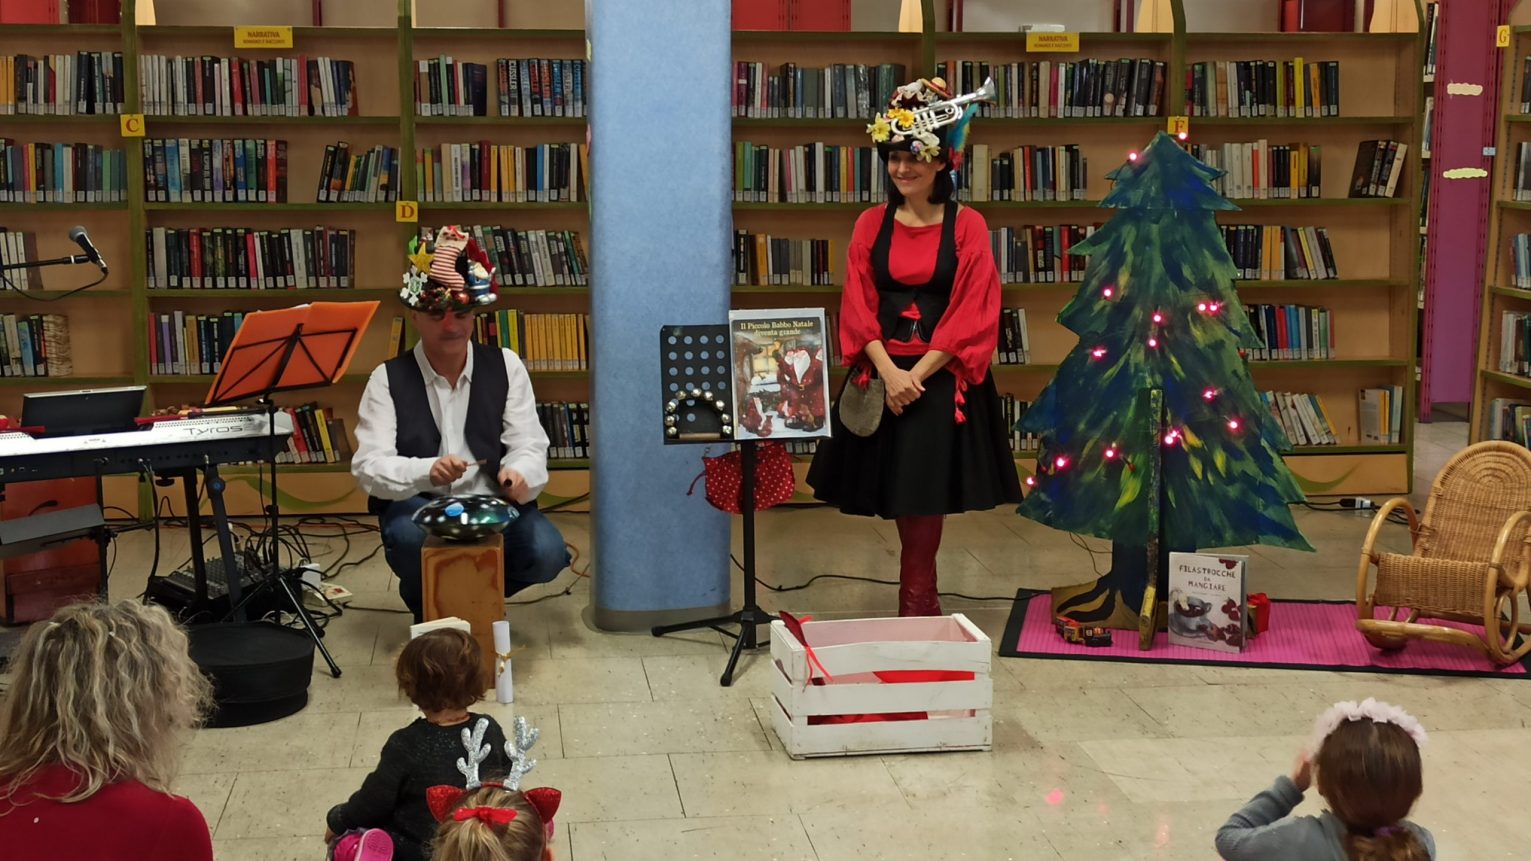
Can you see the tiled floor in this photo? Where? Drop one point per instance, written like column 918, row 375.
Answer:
column 656, row 761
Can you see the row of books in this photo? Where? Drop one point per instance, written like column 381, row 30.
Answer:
column 1380, row 417
column 1523, row 171
column 298, row 86
column 246, row 258
column 182, row 343
column 86, row 82
column 1515, row 343
column 534, row 258
column 61, row 173
column 1090, row 87
column 760, row 258
column 533, row 87
column 1379, row 168
column 1274, row 252
column 1014, row 347
column 1432, row 31
column 1023, row 173
column 1520, row 256
column 545, row 342
column 319, row 436
column 1291, row 332
column 798, row 92
column 1039, row 254
column 502, row 173
column 1263, row 88
column 568, row 428
column 1257, row 170
column 35, row 345
column 1508, row 419
column 1302, row 416
column 366, row 176
column 18, row 246
column 1014, row 409
column 811, row 173
column 190, row 170
column 1525, row 85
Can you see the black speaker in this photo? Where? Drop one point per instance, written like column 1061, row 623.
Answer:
column 260, row 671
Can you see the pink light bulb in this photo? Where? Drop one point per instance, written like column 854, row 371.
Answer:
column 1098, row 353
column 1209, row 394
column 1202, row 307
column 1182, row 135
column 1132, row 156
column 1233, row 424
column 1169, row 438
column 1031, row 481
column 1108, row 292
column 1153, row 342
column 1111, row 453
column 1158, row 317
column 1213, row 307
column 1061, row 462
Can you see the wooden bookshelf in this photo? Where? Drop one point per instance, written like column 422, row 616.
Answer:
column 1374, row 239
column 1507, row 218
column 109, row 324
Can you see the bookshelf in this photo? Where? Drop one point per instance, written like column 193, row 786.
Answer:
column 1498, row 386
column 109, row 324
column 1374, row 240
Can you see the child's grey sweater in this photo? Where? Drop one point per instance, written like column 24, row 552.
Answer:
column 1255, row 834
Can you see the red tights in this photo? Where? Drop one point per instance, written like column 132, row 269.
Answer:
column 920, row 538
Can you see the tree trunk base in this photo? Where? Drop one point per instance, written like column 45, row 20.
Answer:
column 1095, row 603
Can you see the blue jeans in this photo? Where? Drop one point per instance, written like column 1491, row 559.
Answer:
column 534, row 549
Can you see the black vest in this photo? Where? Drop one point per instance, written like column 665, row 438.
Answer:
column 415, row 432
column 931, row 297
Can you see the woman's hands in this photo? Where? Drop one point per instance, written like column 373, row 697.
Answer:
column 901, row 388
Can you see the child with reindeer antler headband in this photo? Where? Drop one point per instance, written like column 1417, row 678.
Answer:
column 495, row 820
column 395, row 812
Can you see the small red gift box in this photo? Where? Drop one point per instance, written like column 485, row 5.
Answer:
column 1260, row 606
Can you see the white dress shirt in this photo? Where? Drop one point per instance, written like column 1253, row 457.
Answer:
column 382, row 472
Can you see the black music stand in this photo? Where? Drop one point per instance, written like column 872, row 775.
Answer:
column 696, row 358
column 308, row 346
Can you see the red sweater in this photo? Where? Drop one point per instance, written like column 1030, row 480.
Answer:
column 124, row 821
column 969, row 330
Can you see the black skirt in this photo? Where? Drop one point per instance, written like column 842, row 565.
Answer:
column 922, row 462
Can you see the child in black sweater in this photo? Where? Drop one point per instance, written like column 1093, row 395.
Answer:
column 443, row 674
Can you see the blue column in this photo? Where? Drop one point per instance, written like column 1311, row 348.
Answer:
column 660, row 245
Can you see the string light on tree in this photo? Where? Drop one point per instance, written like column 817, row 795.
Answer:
column 1209, row 395
column 1098, row 353
column 1152, row 341
column 1233, row 424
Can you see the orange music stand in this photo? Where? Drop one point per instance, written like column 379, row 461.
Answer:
column 303, row 347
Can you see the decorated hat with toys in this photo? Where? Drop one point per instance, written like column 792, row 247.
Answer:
column 448, row 271
column 925, row 119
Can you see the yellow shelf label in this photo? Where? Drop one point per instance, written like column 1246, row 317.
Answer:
column 1502, row 36
column 263, row 37
column 1179, row 126
column 406, row 211
column 1053, row 42
column 132, row 125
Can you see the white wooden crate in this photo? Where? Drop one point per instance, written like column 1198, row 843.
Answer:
column 852, row 651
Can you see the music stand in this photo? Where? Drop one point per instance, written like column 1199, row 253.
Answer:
column 304, row 347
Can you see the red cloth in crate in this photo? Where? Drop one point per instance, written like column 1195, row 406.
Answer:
column 890, row 677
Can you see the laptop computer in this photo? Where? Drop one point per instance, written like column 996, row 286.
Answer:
column 83, row 411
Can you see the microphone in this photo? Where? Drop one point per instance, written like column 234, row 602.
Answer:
column 77, row 233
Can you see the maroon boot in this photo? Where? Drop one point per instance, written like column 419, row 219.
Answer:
column 920, row 538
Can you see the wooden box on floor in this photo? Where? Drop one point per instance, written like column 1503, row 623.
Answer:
column 862, row 656
column 465, row 579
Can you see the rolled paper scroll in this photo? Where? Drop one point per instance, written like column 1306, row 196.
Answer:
column 503, row 689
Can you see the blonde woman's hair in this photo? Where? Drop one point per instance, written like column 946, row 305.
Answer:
column 105, row 690
column 522, row 839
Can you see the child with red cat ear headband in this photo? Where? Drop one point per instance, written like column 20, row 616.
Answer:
column 495, row 820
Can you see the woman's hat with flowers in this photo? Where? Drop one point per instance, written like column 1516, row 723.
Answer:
column 897, row 129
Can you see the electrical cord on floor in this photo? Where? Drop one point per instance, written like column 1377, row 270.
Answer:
column 817, row 577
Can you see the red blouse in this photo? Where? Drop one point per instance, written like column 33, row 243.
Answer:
column 124, row 821
column 969, row 330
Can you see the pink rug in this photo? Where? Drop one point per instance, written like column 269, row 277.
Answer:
column 1303, row 635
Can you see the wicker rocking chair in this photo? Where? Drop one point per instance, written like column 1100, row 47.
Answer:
column 1471, row 560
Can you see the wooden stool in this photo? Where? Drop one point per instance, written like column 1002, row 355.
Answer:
column 465, row 579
